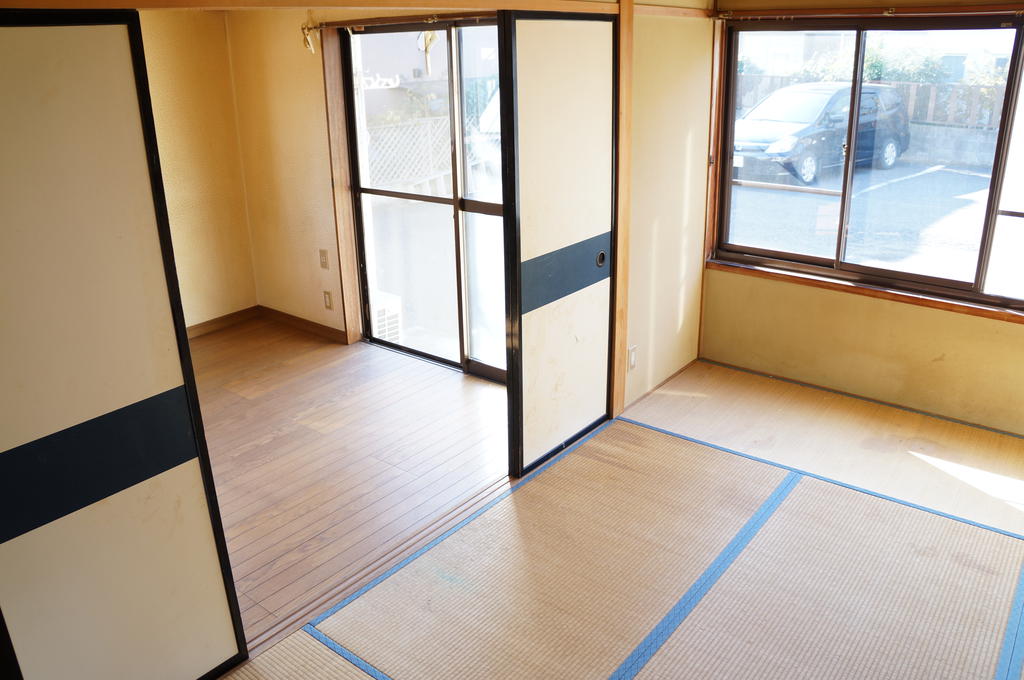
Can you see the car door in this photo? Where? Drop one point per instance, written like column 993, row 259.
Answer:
column 867, row 126
column 834, row 126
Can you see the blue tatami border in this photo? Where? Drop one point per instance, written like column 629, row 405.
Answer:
column 822, row 478
column 650, row 645
column 1011, row 657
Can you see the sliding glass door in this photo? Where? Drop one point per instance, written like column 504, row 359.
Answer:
column 424, row 112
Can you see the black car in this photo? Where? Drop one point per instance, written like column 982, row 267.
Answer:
column 801, row 130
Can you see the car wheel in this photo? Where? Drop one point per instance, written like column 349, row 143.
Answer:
column 807, row 168
column 888, row 152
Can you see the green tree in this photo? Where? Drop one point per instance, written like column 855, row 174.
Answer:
column 909, row 68
column 878, row 66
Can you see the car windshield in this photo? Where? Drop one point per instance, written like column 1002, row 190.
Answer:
column 790, row 106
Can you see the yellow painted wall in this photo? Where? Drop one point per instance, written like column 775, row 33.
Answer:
column 243, row 149
column 193, row 106
column 671, row 101
column 955, row 365
column 282, row 125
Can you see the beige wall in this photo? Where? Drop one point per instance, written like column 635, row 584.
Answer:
column 283, row 130
column 952, row 364
column 193, row 106
column 282, row 124
column 671, row 100
column 241, row 125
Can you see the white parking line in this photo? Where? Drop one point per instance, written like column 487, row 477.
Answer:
column 934, row 168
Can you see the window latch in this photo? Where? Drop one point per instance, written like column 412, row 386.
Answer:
column 844, row 150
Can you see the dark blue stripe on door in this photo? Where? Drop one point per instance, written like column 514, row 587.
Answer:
column 66, row 471
column 562, row 272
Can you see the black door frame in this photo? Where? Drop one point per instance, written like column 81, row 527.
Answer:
column 9, row 667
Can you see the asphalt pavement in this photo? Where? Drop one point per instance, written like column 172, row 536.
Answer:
column 914, row 217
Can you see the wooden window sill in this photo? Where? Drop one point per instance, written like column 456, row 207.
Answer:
column 919, row 299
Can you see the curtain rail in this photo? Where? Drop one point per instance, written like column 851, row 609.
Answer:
column 1011, row 10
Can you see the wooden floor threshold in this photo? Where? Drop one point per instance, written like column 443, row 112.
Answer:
column 361, row 575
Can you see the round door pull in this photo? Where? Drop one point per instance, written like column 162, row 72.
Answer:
column 602, row 257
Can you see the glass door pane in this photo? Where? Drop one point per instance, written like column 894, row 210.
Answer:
column 402, row 111
column 485, row 288
column 481, row 111
column 931, row 104
column 435, row 285
column 410, row 274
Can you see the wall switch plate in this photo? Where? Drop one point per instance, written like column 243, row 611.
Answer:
column 632, row 357
column 328, row 303
column 323, row 259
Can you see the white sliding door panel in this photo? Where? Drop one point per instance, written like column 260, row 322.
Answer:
column 112, row 561
column 555, row 408
column 127, row 587
column 564, row 135
column 564, row 86
column 71, row 116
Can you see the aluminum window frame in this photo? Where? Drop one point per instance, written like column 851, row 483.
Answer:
column 835, row 267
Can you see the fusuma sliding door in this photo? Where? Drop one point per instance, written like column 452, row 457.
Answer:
column 112, row 558
column 559, row 70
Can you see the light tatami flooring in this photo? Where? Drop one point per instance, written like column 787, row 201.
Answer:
column 966, row 471
column 330, row 460
column 641, row 555
column 954, row 468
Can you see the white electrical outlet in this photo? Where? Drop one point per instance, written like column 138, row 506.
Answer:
column 328, row 303
column 323, row 259
column 632, row 357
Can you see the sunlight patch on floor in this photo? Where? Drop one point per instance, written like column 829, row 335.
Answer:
column 1007, row 489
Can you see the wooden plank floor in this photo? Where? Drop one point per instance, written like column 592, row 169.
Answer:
column 954, row 468
column 330, row 459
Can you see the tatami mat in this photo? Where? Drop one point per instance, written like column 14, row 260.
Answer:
column 966, row 471
column 840, row 584
column 297, row 657
column 642, row 554
column 563, row 577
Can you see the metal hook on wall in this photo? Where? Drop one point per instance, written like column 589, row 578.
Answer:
column 310, row 33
